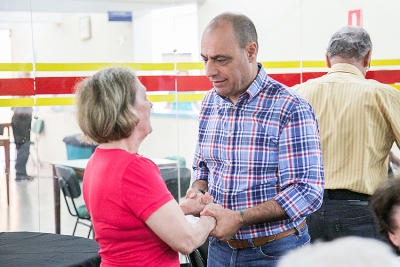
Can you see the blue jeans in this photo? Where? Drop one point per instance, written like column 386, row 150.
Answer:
column 221, row 255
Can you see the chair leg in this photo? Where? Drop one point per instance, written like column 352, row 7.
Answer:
column 90, row 230
column 77, row 220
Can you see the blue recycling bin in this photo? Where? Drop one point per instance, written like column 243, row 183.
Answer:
column 76, row 149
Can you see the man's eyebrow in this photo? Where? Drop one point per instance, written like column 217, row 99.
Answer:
column 216, row 56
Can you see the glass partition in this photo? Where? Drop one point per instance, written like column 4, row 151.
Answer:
column 47, row 46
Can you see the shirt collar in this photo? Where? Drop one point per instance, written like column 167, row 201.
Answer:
column 256, row 86
column 345, row 67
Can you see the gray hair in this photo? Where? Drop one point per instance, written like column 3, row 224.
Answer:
column 245, row 31
column 349, row 42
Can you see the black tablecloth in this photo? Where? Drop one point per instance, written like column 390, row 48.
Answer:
column 32, row 249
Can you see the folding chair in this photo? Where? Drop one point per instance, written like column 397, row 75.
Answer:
column 198, row 258
column 171, row 175
column 71, row 189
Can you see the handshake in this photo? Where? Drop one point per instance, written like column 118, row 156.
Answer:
column 201, row 204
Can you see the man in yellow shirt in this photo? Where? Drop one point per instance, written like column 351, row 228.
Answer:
column 359, row 122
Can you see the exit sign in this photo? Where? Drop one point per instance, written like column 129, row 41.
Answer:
column 354, row 18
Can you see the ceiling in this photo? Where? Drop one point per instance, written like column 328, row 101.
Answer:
column 92, row 6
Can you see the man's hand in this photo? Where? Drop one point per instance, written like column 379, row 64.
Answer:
column 228, row 221
column 195, row 202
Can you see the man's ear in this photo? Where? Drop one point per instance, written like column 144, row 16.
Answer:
column 252, row 49
column 367, row 59
column 328, row 61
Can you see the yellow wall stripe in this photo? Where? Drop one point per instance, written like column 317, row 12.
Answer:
column 16, row 67
column 68, row 101
column 385, row 62
column 171, row 97
column 397, row 86
column 16, row 102
column 277, row 65
column 168, row 66
column 98, row 66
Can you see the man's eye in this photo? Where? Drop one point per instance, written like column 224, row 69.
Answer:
column 221, row 61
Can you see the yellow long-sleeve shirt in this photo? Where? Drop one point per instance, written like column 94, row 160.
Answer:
column 359, row 121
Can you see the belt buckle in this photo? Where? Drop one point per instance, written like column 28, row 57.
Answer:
column 229, row 244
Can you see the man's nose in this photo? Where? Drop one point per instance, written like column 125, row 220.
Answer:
column 211, row 68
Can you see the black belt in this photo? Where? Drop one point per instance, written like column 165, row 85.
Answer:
column 343, row 194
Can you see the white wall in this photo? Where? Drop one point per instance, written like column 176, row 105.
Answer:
column 288, row 30
column 60, row 42
column 301, row 29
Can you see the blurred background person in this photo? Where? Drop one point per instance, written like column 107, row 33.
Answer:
column 343, row 252
column 359, row 122
column 21, row 122
column 385, row 203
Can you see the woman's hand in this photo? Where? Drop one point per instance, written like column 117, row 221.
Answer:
column 195, row 202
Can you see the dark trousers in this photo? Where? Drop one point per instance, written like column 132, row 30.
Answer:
column 343, row 213
column 21, row 126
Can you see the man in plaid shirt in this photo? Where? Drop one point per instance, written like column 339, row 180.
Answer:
column 258, row 153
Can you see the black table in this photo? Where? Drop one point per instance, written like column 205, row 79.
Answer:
column 32, row 249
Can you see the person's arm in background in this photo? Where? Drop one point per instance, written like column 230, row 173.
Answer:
column 394, row 160
column 170, row 224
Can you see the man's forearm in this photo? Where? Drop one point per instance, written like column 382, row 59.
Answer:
column 268, row 211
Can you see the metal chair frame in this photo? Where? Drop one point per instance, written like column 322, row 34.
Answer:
column 70, row 186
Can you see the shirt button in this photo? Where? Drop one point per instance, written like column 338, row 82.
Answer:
column 229, row 134
column 228, row 162
column 225, row 190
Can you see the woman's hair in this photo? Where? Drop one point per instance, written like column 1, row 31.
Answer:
column 383, row 201
column 104, row 103
column 349, row 42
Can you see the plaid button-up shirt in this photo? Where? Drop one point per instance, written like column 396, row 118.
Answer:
column 266, row 146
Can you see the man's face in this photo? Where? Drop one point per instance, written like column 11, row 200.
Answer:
column 229, row 67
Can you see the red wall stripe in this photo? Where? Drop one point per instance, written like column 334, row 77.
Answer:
column 385, row 76
column 65, row 85
column 20, row 87
column 56, row 85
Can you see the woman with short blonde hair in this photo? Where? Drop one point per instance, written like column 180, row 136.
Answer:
column 136, row 219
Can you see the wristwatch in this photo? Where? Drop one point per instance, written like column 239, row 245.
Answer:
column 202, row 191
